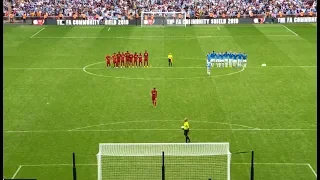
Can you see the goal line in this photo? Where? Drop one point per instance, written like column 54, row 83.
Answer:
column 269, row 164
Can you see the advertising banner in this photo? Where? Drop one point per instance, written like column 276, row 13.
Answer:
column 164, row 22
column 91, row 22
column 297, row 20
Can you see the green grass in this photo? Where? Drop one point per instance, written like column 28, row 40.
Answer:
column 47, row 93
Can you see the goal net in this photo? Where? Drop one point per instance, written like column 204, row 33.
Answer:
column 163, row 19
column 144, row 161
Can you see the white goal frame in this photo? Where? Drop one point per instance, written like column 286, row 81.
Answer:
column 164, row 15
column 169, row 149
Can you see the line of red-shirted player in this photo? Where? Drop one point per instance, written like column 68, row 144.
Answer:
column 154, row 95
column 127, row 59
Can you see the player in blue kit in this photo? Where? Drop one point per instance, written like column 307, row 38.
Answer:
column 230, row 59
column 244, row 61
column 224, row 60
column 240, row 58
column 208, row 57
column 213, row 58
column 219, row 59
column 209, row 68
column 234, row 59
column 216, row 57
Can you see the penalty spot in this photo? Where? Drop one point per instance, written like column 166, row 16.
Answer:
column 263, row 64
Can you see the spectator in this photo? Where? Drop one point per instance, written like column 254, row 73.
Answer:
column 115, row 9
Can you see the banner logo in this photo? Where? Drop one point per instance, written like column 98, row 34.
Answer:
column 258, row 20
column 297, row 20
column 148, row 22
column 38, row 22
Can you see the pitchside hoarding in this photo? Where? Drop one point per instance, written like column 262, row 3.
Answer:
column 91, row 22
column 297, row 20
column 170, row 22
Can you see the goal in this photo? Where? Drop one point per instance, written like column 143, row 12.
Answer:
column 170, row 161
column 163, row 19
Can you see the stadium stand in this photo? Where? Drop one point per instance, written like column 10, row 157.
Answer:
column 129, row 9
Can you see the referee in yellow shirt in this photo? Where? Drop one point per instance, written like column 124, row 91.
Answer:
column 170, row 57
column 186, row 130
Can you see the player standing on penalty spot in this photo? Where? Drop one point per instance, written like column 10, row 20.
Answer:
column 170, row 57
column 154, row 95
column 185, row 129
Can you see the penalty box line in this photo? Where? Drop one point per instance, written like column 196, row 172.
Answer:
column 123, row 130
column 275, row 164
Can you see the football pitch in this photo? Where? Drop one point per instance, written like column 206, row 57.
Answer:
column 60, row 98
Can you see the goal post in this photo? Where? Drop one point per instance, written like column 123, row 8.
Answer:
column 146, row 161
column 153, row 19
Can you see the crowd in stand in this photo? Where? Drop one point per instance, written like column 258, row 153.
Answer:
column 115, row 9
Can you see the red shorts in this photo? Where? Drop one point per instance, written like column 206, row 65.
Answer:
column 154, row 98
column 108, row 62
column 114, row 62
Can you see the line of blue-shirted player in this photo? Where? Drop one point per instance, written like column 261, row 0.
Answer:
column 224, row 60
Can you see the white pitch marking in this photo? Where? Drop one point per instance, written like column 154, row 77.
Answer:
column 126, row 122
column 277, row 164
column 290, row 30
column 314, row 172
column 109, row 29
column 194, row 67
column 150, row 37
column 218, row 28
column 122, row 130
column 283, row 164
column 41, row 165
column 253, row 67
column 37, row 32
column 17, row 171
column 201, row 77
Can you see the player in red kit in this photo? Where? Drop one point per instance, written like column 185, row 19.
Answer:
column 108, row 60
column 140, row 60
column 135, row 59
column 154, row 95
column 122, row 64
column 118, row 59
column 146, row 59
column 127, row 58
column 114, row 60
column 130, row 59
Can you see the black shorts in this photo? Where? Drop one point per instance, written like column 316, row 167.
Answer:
column 169, row 60
column 186, row 132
